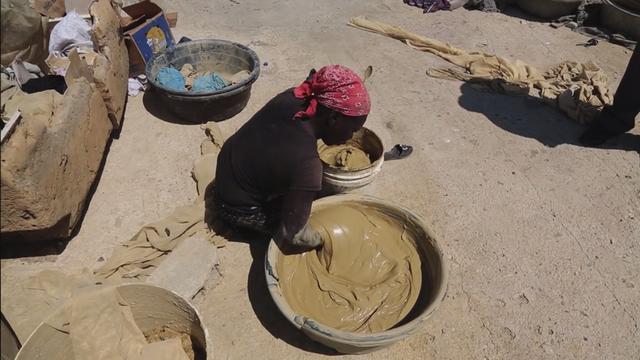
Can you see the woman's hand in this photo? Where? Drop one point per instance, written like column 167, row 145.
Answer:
column 307, row 238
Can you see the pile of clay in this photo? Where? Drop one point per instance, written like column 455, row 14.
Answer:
column 367, row 276
column 346, row 157
column 189, row 79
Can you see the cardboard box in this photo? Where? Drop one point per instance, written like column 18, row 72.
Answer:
column 147, row 32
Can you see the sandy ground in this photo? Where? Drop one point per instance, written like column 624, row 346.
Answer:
column 541, row 235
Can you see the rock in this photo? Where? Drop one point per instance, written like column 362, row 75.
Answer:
column 51, row 161
column 111, row 69
column 187, row 267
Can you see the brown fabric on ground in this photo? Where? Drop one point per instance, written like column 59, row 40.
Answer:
column 579, row 90
column 101, row 327
column 43, row 293
column 138, row 257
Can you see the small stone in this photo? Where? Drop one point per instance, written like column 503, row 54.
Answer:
column 100, row 259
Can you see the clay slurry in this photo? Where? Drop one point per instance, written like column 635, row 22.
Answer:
column 365, row 279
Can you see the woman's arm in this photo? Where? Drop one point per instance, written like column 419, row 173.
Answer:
column 293, row 232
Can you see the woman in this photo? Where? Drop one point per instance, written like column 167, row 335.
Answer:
column 620, row 117
column 269, row 171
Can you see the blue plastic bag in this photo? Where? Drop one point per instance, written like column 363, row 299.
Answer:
column 209, row 83
column 171, row 78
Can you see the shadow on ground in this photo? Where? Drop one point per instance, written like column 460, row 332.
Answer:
column 529, row 117
column 157, row 106
column 261, row 302
column 16, row 247
column 268, row 314
column 515, row 11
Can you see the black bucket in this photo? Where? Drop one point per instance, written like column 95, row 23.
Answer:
column 205, row 55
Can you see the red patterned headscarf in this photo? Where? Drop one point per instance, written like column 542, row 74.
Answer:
column 335, row 87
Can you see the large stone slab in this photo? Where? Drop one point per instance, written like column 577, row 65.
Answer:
column 51, row 160
column 186, row 269
column 111, row 68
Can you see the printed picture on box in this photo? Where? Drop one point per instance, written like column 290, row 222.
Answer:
column 156, row 39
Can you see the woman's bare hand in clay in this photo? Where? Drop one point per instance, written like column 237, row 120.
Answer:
column 307, row 238
column 294, row 235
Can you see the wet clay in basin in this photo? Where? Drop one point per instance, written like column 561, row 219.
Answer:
column 365, row 279
column 358, row 153
column 347, row 157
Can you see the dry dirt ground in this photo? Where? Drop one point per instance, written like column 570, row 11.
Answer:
column 541, row 234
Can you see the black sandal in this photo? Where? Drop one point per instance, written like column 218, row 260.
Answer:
column 399, row 151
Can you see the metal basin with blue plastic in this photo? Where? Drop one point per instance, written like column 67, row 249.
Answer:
column 222, row 56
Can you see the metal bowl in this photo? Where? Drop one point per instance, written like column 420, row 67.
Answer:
column 206, row 55
column 549, row 9
column 434, row 272
column 336, row 180
column 621, row 19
